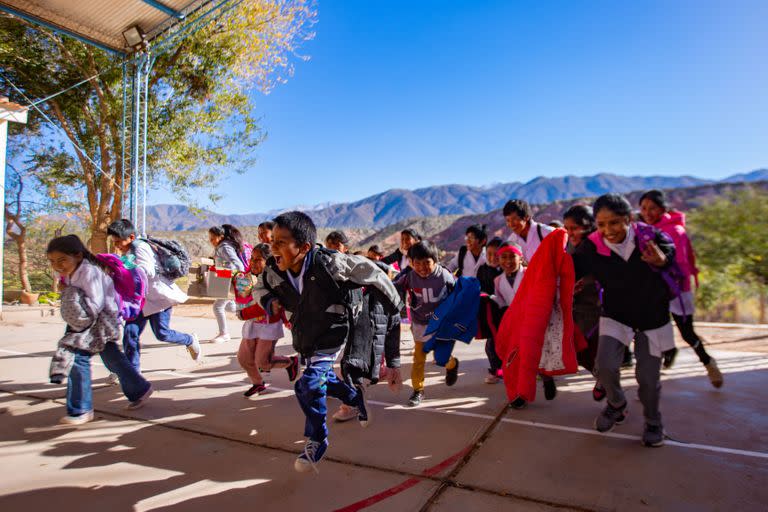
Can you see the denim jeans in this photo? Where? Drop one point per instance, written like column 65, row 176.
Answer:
column 79, row 393
column 160, row 324
column 318, row 381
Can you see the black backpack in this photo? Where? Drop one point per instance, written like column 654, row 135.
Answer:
column 172, row 258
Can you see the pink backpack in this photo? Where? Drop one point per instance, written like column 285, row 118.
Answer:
column 130, row 285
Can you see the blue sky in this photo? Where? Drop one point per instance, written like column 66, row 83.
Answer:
column 409, row 94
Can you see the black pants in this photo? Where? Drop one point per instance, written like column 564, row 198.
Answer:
column 685, row 326
column 493, row 358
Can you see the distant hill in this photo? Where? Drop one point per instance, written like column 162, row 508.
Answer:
column 396, row 205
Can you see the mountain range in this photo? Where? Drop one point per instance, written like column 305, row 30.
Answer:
column 396, row 205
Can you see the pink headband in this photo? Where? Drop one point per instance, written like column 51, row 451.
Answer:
column 509, row 248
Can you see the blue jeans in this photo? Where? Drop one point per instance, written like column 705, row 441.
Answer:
column 79, row 393
column 318, row 381
column 160, row 324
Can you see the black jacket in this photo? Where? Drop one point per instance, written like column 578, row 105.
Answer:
column 395, row 257
column 633, row 293
column 486, row 274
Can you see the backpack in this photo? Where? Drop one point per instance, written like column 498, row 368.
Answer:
column 245, row 256
column 172, row 258
column 130, row 285
column 456, row 317
column 672, row 274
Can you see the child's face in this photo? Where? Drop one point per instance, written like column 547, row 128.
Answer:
column 650, row 211
column 474, row 245
column 406, row 242
column 336, row 246
column 257, row 263
column 516, row 223
column 373, row 256
column 64, row 264
column 265, row 235
column 122, row 245
column 214, row 239
column 424, row 266
column 509, row 262
column 288, row 254
column 575, row 231
column 490, row 256
column 611, row 226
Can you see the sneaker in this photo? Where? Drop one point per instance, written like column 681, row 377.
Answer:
column 669, row 357
column 598, row 393
column 492, row 379
column 416, row 398
column 715, row 376
column 112, row 379
column 518, row 403
column 550, row 389
column 194, row 348
column 312, row 455
column 610, row 417
column 77, row 420
column 452, row 375
column 653, row 435
column 345, row 413
column 138, row 404
column 256, row 389
column 364, row 415
column 221, row 338
column 293, row 368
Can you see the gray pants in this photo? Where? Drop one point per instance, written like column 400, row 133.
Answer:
column 610, row 353
column 219, row 310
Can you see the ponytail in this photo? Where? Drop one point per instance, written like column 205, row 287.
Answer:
column 229, row 233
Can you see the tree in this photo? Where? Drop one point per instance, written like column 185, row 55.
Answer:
column 200, row 123
column 731, row 238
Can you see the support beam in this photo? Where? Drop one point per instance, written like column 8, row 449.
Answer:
column 164, row 8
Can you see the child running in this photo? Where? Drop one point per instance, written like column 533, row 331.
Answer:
column 261, row 330
column 472, row 255
column 428, row 284
column 489, row 314
column 90, row 308
column 315, row 287
column 635, row 307
column 228, row 243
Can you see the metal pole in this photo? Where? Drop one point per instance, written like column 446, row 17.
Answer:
column 144, row 157
column 135, row 127
column 122, row 130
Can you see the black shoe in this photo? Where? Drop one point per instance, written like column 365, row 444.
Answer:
column 610, row 416
column 669, row 357
column 452, row 375
column 653, row 436
column 293, row 368
column 416, row 398
column 518, row 403
column 550, row 389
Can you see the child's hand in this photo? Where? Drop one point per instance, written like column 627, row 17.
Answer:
column 394, row 380
column 653, row 255
column 276, row 307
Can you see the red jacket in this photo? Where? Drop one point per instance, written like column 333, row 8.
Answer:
column 526, row 324
column 673, row 224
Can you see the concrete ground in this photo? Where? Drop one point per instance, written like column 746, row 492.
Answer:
column 198, row 444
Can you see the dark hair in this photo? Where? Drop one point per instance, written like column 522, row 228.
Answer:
column 267, row 224
column 122, row 229
column 411, row 232
column 495, row 242
column 657, row 196
column 337, row 237
column 616, row 203
column 423, row 250
column 510, row 244
column 581, row 214
column 375, row 249
column 300, row 225
column 478, row 230
column 518, row 206
column 555, row 224
column 230, row 234
column 71, row 245
column 264, row 249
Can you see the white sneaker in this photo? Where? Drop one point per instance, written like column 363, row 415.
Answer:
column 77, row 420
column 138, row 404
column 112, row 379
column 194, row 349
column 345, row 413
column 492, row 379
column 221, row 338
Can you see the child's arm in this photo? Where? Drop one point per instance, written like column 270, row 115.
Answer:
column 145, row 258
column 362, row 271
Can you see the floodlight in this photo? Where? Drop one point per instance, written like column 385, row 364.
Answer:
column 135, row 37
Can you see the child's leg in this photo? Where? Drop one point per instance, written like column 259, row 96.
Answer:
column 278, row 361
column 219, row 311
column 266, row 358
column 131, row 340
column 311, row 394
column 647, row 372
column 79, row 396
column 493, row 357
column 246, row 356
column 685, row 326
column 417, row 370
column 134, row 385
column 610, row 354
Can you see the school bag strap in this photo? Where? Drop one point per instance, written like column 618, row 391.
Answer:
column 462, row 254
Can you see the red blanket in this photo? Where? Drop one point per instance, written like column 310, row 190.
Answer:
column 532, row 319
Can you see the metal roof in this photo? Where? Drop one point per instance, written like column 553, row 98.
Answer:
column 102, row 22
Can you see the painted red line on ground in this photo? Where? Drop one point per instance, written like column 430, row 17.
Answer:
column 404, row 486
